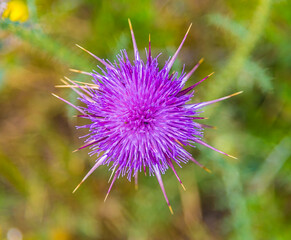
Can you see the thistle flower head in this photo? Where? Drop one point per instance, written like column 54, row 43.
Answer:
column 139, row 116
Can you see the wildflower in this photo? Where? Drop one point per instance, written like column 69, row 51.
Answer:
column 139, row 116
column 3, row 6
column 15, row 10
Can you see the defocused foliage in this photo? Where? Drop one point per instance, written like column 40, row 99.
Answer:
column 247, row 44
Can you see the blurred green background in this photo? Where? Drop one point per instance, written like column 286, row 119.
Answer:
column 246, row 44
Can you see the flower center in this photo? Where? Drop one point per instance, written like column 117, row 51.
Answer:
column 140, row 117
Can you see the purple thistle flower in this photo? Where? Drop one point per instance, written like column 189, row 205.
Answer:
column 139, row 116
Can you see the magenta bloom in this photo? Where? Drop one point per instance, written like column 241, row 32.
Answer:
column 138, row 116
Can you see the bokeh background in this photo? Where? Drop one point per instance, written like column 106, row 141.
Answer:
column 246, row 44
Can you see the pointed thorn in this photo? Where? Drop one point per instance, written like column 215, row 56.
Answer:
column 111, row 174
column 74, row 70
column 89, row 144
column 234, row 94
column 79, row 71
column 185, row 91
column 174, row 57
column 232, row 156
column 129, row 23
column 62, row 80
column 159, row 178
column 55, row 95
column 177, row 141
column 206, row 169
column 136, row 53
column 173, row 169
column 203, row 104
column 189, row 28
column 199, row 118
column 150, row 53
column 183, row 187
column 97, row 58
column 171, row 210
column 64, row 86
column 199, row 164
column 207, row 145
column 106, row 197
column 77, row 187
column 189, row 74
column 113, row 180
column 83, row 48
column 210, row 74
column 78, row 82
column 72, row 105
